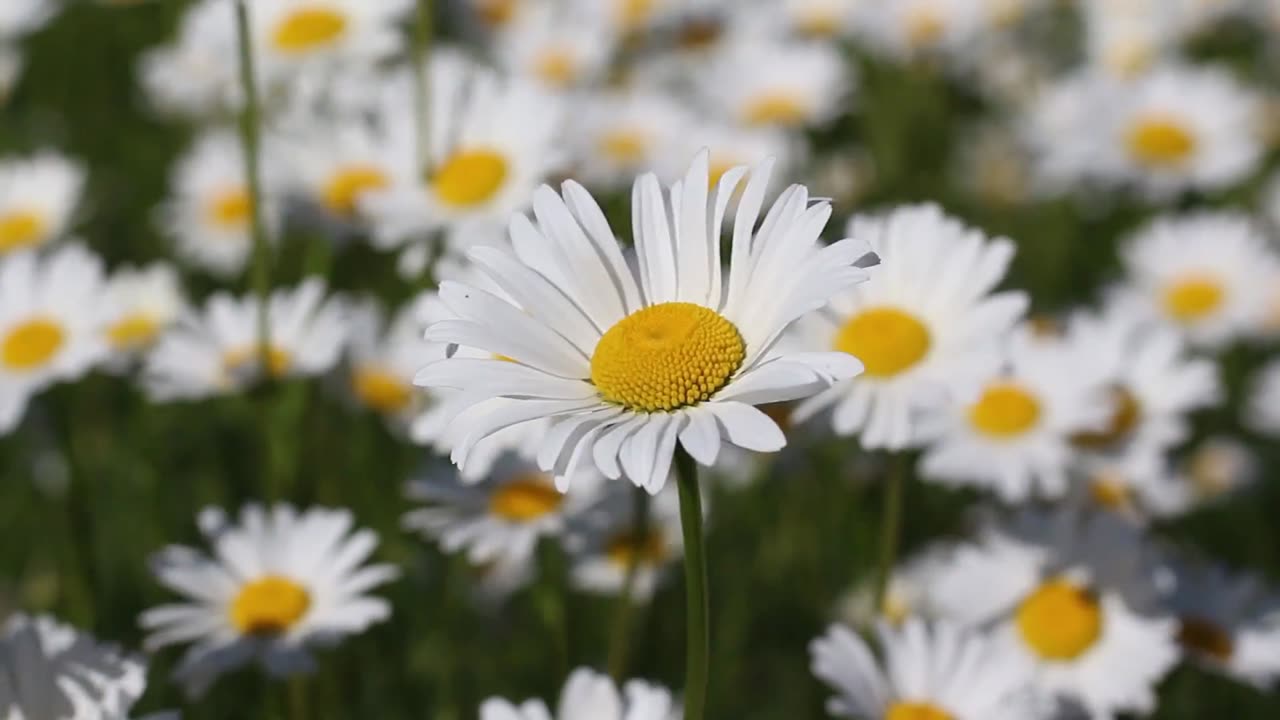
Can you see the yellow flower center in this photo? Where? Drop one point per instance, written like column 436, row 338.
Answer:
column 635, row 13
column 700, row 34
column 717, row 168
column 20, row 229
column 1206, row 638
column 238, row 360
column 819, row 24
column 1161, row 142
column 666, row 356
column 916, row 711
column 888, row 341
column 624, row 146
column 775, row 108
column 526, row 498
column 344, row 189
column 1060, row 621
column 470, row 177
column 496, row 13
column 308, row 29
column 381, row 389
column 32, row 344
column 1005, row 410
column 229, row 209
column 628, row 548
column 133, row 331
column 1110, row 493
column 895, row 608
column 269, row 606
column 1130, row 59
column 1125, row 416
column 557, row 67
column 1193, row 297
column 924, row 28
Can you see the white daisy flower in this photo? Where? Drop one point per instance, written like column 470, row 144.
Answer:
column 1263, row 408
column 615, row 550
column 1127, row 37
column 279, row 583
column 501, row 519
column 1218, row 467
column 927, row 672
column 588, row 694
column 1071, row 595
column 774, row 84
column 1227, row 621
column 218, row 350
column 556, row 47
column 492, row 140
column 37, row 198
column 622, row 134
column 1061, row 130
column 384, row 357
column 925, row 322
column 293, row 33
column 48, row 324
column 1012, row 432
column 1204, row 274
column 906, row 29
column 907, row 594
column 627, row 364
column 19, row 18
column 51, row 671
column 209, row 211
column 139, row 305
column 192, row 75
column 1135, row 490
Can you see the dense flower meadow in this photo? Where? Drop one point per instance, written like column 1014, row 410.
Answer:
column 639, row 359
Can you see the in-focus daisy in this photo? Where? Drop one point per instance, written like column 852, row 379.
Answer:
column 1204, row 274
column 501, row 519
column 774, row 84
column 623, row 134
column 52, row 671
column 293, row 32
column 556, row 47
column 37, row 198
column 1227, row 621
column 138, row 305
column 926, row 321
column 928, row 671
column 1263, row 410
column 48, row 323
column 589, row 694
column 627, row 364
column 278, row 583
column 1012, row 432
column 1073, row 596
column 384, row 357
column 616, row 550
column 906, row 29
column 219, row 351
column 209, row 211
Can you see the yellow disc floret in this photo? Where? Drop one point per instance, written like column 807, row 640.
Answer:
column 887, row 340
column 21, row 229
column 1005, row 410
column 666, row 357
column 525, row 498
column 1193, row 297
column 1060, row 620
column 1161, row 142
column 269, row 606
column 32, row 344
column 916, row 711
column 343, row 191
column 381, row 389
column 1205, row 638
column 133, row 331
column 470, row 177
column 309, row 29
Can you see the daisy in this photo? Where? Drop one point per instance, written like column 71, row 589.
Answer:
column 1125, row 38
column 557, row 48
column 588, row 694
column 492, row 140
column 1060, row 128
column 1204, row 274
column 625, row 366
column 37, row 198
column 1263, row 409
column 1183, row 128
column 928, row 672
column 927, row 320
column 1012, row 432
column 1227, row 621
column 1072, row 596
column 775, row 84
column 624, row 133
column 615, row 550
column 383, row 358
column 209, row 211
column 48, row 328
column 501, row 519
column 290, row 33
column 819, row 19
column 19, row 18
column 1219, row 467
column 139, row 305
column 51, row 671
column 278, row 584
column 1135, row 490
column 907, row 29
column 190, row 76
column 218, row 350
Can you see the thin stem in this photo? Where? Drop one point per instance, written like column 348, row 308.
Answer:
column 422, row 79
column 298, row 698
column 698, row 636
column 890, row 524
column 250, row 137
column 623, row 615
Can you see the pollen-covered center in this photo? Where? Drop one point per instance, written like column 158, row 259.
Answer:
column 1205, row 638
column 269, row 606
column 666, row 357
column 381, row 389
column 1060, row 621
column 343, row 191
column 887, row 340
column 308, row 29
column 133, row 331
column 775, row 108
column 20, row 229
column 525, row 498
column 624, row 146
column 628, row 548
column 470, row 177
column 1005, row 410
column 32, row 344
column 1161, row 142
column 240, row 360
column 230, row 209
column 916, row 711
column 1126, row 413
column 1110, row 493
column 1193, row 297
column 557, row 67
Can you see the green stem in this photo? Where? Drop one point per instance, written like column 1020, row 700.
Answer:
column 698, row 636
column 298, row 698
column 624, row 614
column 250, row 137
column 891, row 522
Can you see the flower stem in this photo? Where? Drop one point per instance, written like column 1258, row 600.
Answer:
column 698, row 636
column 890, row 525
column 422, row 79
column 251, row 139
column 624, row 614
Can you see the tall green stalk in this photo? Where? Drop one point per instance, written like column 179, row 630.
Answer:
column 624, row 614
column 698, row 635
column 251, row 139
column 891, row 524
